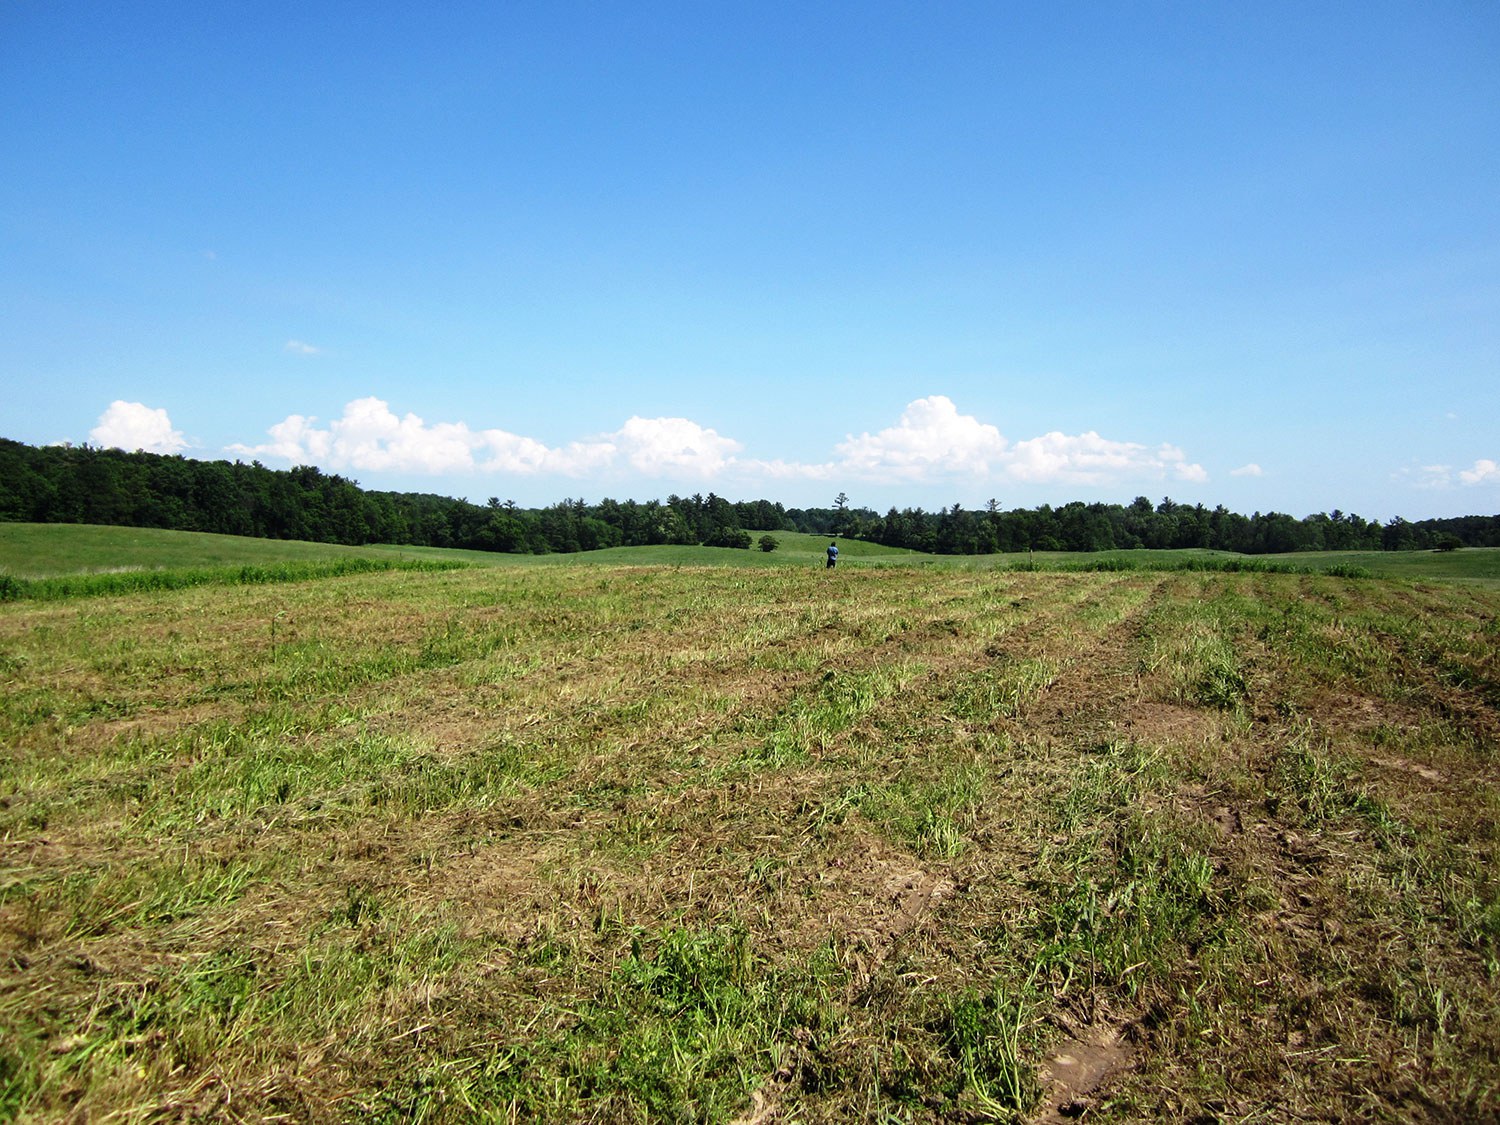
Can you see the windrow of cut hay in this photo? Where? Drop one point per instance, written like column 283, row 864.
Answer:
column 714, row 844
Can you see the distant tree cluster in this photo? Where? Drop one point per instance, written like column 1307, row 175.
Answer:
column 82, row 484
column 1166, row 526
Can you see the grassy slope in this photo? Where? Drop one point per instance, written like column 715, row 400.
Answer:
column 603, row 843
column 1469, row 564
column 795, row 549
column 30, row 550
column 43, row 550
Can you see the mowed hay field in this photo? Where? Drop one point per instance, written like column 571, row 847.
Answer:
column 764, row 844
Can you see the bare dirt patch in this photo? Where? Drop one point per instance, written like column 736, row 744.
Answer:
column 1158, row 722
column 877, row 896
column 1402, row 765
column 1077, row 1068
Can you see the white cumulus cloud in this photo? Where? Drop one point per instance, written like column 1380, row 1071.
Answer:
column 370, row 436
column 931, row 438
column 1093, row 460
column 133, row 425
column 930, row 442
column 1484, row 471
column 299, row 347
column 504, row 452
column 674, row 447
column 1425, row 476
column 1174, row 461
column 1250, row 470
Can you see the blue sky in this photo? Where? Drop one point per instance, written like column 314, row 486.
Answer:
column 920, row 254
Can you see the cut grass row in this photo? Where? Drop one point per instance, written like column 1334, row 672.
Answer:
column 623, row 844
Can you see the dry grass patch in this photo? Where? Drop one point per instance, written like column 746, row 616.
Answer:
column 625, row 845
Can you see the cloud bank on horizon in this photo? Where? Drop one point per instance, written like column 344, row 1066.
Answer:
column 133, row 425
column 1483, row 471
column 931, row 442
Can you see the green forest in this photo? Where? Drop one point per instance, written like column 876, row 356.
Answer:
column 83, row 484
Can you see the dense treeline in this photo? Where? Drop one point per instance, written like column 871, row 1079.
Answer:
column 81, row 484
column 1167, row 525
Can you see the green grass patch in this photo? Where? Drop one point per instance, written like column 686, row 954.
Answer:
column 152, row 581
column 30, row 551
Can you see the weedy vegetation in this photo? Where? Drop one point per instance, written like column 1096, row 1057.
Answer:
column 750, row 843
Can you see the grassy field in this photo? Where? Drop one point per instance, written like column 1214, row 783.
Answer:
column 40, row 551
column 748, row 844
column 32, row 551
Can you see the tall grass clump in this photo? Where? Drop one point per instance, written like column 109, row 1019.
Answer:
column 985, row 1032
column 152, row 581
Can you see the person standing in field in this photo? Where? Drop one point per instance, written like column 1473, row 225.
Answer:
column 833, row 555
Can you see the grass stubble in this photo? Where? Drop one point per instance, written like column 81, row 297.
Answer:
column 702, row 844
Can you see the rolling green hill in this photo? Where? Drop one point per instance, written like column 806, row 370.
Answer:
column 31, row 551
